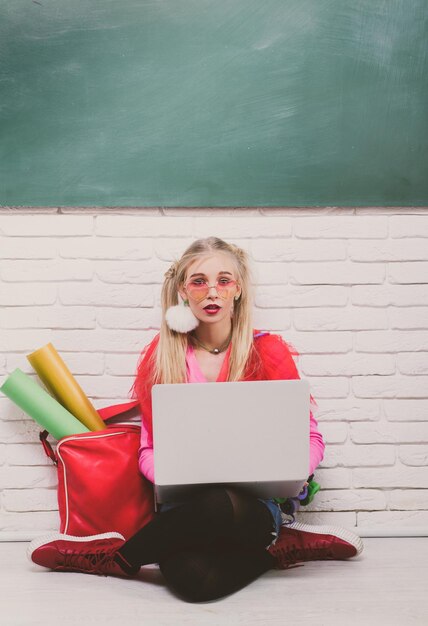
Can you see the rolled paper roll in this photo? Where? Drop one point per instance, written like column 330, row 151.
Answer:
column 39, row 405
column 60, row 382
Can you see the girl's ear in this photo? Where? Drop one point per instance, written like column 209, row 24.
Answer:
column 182, row 293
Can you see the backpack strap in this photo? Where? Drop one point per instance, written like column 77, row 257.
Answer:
column 261, row 333
column 105, row 413
column 117, row 409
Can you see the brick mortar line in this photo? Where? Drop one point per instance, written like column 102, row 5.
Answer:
column 356, row 211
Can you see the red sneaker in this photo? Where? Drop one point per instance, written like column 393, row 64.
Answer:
column 301, row 542
column 94, row 554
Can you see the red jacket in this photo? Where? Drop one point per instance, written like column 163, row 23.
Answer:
column 271, row 360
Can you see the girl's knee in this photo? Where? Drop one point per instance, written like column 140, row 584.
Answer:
column 215, row 498
column 186, row 574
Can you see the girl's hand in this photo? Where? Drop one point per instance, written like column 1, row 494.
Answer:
column 303, row 488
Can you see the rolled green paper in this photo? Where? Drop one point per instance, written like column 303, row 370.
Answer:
column 39, row 405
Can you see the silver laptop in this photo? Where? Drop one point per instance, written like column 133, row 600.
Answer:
column 251, row 435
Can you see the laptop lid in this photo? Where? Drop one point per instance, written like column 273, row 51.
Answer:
column 253, row 435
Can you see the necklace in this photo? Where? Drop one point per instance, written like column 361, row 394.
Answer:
column 221, row 348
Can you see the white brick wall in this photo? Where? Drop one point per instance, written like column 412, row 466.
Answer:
column 347, row 287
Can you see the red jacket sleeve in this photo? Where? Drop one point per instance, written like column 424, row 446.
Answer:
column 278, row 360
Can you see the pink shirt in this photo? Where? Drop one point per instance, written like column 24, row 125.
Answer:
column 195, row 375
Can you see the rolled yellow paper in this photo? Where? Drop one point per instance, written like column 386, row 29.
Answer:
column 60, row 382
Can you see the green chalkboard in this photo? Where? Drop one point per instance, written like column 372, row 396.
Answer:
column 213, row 103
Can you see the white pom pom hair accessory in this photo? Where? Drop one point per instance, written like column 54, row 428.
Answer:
column 180, row 317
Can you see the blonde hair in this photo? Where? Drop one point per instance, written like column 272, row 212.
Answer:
column 170, row 363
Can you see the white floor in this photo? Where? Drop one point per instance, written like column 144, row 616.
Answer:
column 386, row 585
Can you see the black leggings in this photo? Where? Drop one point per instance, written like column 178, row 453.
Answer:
column 208, row 547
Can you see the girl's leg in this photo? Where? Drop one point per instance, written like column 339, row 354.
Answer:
column 202, row 574
column 217, row 514
column 199, row 574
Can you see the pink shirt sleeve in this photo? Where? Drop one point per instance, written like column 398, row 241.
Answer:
column 316, row 445
column 145, row 454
